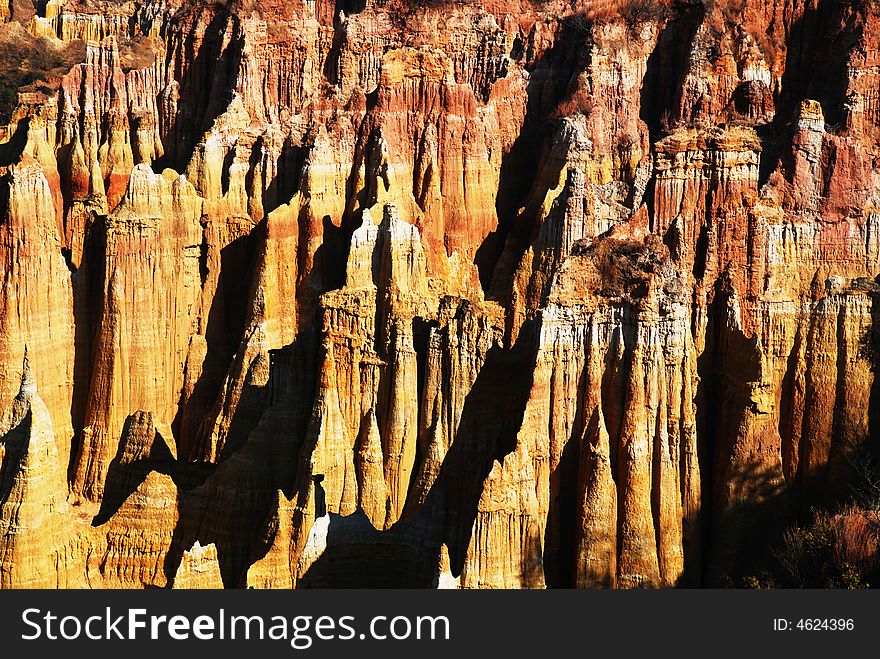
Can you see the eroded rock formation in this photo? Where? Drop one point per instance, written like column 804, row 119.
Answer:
column 462, row 294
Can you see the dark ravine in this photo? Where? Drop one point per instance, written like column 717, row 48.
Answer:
column 481, row 294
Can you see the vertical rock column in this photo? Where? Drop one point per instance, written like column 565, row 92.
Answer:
column 148, row 313
column 36, row 306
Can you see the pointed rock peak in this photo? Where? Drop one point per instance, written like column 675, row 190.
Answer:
column 369, row 446
column 364, row 236
column 28, row 385
column 199, row 568
column 603, row 439
column 359, row 267
column 237, row 111
column 158, row 492
column 817, row 283
column 143, row 438
column 200, row 551
column 445, row 579
column 436, row 447
column 26, row 433
column 402, row 258
column 28, row 406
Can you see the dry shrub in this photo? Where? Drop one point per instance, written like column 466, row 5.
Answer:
column 137, row 53
column 869, row 346
column 579, row 101
column 855, row 540
column 601, row 10
column 625, row 265
column 839, row 550
column 32, row 64
column 636, row 12
column 633, row 12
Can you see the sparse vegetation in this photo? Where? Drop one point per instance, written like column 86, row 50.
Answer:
column 579, row 101
column 869, row 345
column 633, row 12
column 137, row 53
column 834, row 549
column 625, row 265
column 32, row 64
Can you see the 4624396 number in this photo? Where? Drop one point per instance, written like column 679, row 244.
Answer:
column 814, row 624
column 825, row 624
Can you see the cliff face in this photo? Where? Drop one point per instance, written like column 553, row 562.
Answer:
column 466, row 294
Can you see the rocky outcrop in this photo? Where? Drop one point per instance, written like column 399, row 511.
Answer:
column 472, row 295
column 199, row 569
column 36, row 523
column 149, row 291
column 37, row 304
column 131, row 549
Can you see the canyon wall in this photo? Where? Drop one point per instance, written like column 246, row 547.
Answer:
column 469, row 294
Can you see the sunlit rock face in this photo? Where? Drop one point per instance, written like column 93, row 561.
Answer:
column 445, row 295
